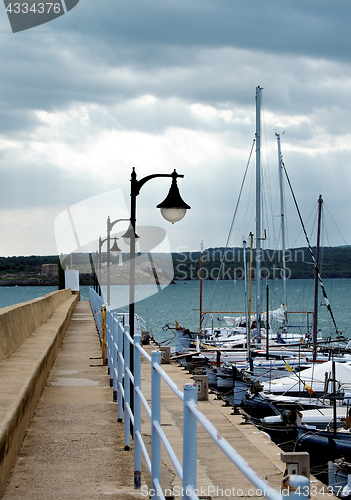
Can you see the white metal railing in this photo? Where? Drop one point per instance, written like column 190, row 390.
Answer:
column 123, row 357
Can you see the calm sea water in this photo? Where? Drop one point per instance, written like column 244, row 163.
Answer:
column 180, row 302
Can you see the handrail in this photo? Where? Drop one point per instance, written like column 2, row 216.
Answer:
column 172, row 385
column 119, row 347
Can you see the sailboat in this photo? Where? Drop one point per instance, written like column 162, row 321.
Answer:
column 242, row 331
column 247, row 335
column 314, row 380
column 334, row 441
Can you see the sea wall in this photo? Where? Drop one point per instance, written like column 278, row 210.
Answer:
column 18, row 322
column 30, row 336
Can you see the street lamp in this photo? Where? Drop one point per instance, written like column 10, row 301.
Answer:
column 109, row 249
column 173, row 208
column 101, row 242
column 113, row 249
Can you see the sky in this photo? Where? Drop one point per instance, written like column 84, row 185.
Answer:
column 163, row 85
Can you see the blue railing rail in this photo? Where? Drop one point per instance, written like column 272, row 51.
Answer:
column 96, row 302
column 118, row 349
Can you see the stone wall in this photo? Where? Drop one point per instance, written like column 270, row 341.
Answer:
column 30, row 336
column 18, row 322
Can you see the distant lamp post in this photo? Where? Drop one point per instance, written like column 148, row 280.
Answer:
column 114, row 250
column 99, row 259
column 109, row 229
column 129, row 235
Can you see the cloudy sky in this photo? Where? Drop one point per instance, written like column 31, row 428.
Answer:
column 170, row 84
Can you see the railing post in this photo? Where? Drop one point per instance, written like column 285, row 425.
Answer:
column 110, row 347
column 120, row 335
column 126, row 351
column 137, row 412
column 189, row 441
column 103, row 333
column 108, row 342
column 295, row 487
column 155, row 417
column 115, row 357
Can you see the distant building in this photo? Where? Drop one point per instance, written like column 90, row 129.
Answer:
column 49, row 270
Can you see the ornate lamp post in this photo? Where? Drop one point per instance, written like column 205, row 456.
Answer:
column 110, row 250
column 114, row 248
column 173, row 208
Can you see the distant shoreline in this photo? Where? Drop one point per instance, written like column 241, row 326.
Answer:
column 28, row 282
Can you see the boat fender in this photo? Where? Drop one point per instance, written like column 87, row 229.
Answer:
column 256, row 388
column 292, row 417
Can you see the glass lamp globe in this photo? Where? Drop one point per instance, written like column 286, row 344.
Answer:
column 115, row 248
column 129, row 234
column 173, row 214
column 173, row 208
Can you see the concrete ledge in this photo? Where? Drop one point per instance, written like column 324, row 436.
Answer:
column 24, row 372
column 18, row 322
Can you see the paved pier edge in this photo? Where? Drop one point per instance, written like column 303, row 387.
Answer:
column 25, row 369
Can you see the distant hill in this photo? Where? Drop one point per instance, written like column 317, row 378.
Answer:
column 335, row 262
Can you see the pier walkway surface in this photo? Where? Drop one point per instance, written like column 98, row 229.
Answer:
column 74, row 449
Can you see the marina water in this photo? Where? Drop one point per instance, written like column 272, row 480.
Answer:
column 180, row 302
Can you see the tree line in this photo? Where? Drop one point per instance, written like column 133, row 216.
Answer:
column 25, row 264
column 228, row 264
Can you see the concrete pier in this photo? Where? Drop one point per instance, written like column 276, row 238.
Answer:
column 30, row 335
column 74, row 449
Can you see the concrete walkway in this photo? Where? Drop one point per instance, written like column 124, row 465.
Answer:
column 74, row 446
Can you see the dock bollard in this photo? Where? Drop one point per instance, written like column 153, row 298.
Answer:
column 202, row 387
column 165, row 354
column 297, row 463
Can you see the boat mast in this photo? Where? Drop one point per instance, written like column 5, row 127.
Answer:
column 315, row 310
column 280, row 160
column 249, row 315
column 201, row 278
column 246, row 307
column 258, row 212
column 326, row 301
